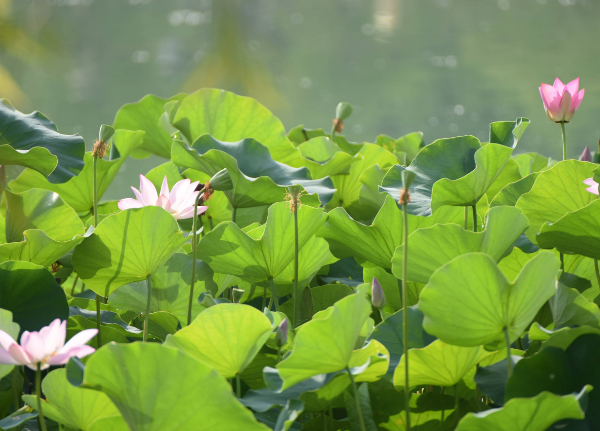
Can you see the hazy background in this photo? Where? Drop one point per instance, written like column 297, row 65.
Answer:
column 445, row 67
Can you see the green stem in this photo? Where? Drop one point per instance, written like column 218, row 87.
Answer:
column 278, row 353
column 233, row 213
column 210, row 222
column 74, row 284
column 333, row 133
column 238, row 386
column 201, row 225
column 562, row 261
column 147, row 315
column 597, row 271
column 194, row 254
column 17, row 387
column 273, row 294
column 38, row 393
column 297, row 301
column 405, row 312
column 381, row 315
column 466, row 218
column 564, row 136
column 456, row 405
column 264, row 298
column 474, row 218
column 95, row 210
column 443, row 391
column 508, row 359
column 356, row 401
column 98, row 321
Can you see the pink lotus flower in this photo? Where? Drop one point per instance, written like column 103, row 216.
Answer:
column 593, row 185
column 179, row 201
column 560, row 100
column 46, row 347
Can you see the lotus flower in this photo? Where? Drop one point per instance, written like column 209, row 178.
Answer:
column 46, row 347
column 593, row 185
column 560, row 100
column 179, row 201
column 377, row 294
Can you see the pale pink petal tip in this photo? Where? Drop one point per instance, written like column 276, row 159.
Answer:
column 590, row 181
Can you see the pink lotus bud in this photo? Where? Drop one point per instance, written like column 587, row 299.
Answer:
column 560, row 100
column 586, row 156
column 377, row 294
column 593, row 185
column 281, row 333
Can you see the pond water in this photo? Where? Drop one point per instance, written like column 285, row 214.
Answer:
column 445, row 67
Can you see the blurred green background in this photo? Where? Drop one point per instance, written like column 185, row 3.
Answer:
column 444, row 67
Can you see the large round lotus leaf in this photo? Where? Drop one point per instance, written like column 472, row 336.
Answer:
column 61, row 156
column 32, row 294
column 229, row 117
column 556, row 192
column 576, row 233
column 378, row 241
column 526, row 414
column 510, row 194
column 78, row 191
column 229, row 250
column 43, row 210
column 473, row 287
column 325, row 158
column 174, row 392
column 439, row 364
column 433, row 247
column 226, row 336
column 74, row 407
column 338, row 328
column 257, row 178
column 171, row 285
column 127, row 247
column 144, row 115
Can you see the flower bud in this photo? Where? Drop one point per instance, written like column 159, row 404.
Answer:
column 377, row 294
column 106, row 132
column 586, row 156
column 343, row 110
column 281, row 333
column 221, row 181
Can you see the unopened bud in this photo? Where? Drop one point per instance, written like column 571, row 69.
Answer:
column 586, row 156
column 221, row 181
column 343, row 110
column 377, row 294
column 281, row 333
column 106, row 132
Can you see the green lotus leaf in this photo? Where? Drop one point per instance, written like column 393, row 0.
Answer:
column 175, row 398
column 76, row 324
column 43, row 210
column 556, row 192
column 37, row 248
column 364, row 401
column 533, row 162
column 390, row 334
column 127, row 247
column 32, row 294
column 378, row 241
column 349, row 187
column 112, row 423
column 408, row 146
column 229, row 117
column 577, row 232
column 144, row 115
column 439, row 364
column 257, row 178
column 311, row 258
column 226, row 336
column 511, row 193
column 571, row 308
column 299, row 134
column 288, row 415
column 433, row 247
column 11, row 328
column 326, row 343
column 324, row 158
column 526, row 414
column 229, row 250
column 508, row 175
column 473, row 287
column 78, row 191
column 171, row 285
column 74, row 407
column 32, row 140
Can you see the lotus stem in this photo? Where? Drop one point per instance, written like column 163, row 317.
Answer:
column 466, row 218
column 475, row 218
column 210, row 223
column 95, row 210
column 98, row 321
column 233, row 214
column 38, row 393
column 456, row 404
column 297, row 301
column 264, row 298
column 273, row 294
column 357, row 401
column 238, row 386
column 564, row 136
column 17, row 387
column 597, row 271
column 74, row 284
column 508, row 359
column 278, row 353
column 147, row 315
column 194, row 254
column 405, row 311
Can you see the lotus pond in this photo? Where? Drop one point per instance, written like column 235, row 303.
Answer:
column 294, row 280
